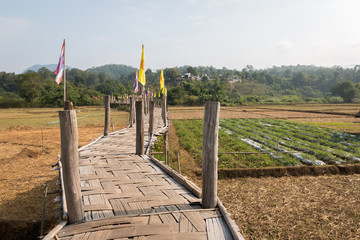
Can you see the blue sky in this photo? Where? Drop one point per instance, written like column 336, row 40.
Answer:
column 219, row 33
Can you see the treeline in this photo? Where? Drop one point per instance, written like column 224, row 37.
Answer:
column 285, row 84
column 38, row 89
column 186, row 85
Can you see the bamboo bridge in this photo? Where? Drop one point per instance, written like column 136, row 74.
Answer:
column 125, row 193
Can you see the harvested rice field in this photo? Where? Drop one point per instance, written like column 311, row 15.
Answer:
column 306, row 207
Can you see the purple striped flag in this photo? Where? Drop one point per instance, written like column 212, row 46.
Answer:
column 136, row 83
column 60, row 67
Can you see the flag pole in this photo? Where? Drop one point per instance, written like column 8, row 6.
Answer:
column 64, row 75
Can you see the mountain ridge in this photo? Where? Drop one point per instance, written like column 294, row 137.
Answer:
column 50, row 67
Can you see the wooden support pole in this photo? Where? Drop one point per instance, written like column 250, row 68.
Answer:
column 145, row 104
column 178, row 160
column 134, row 110
column 131, row 112
column 168, row 147
column 139, row 128
column 151, row 118
column 68, row 105
column 166, row 151
column 107, row 115
column 42, row 138
column 210, row 154
column 43, row 211
column 163, row 110
column 112, row 125
column 70, row 165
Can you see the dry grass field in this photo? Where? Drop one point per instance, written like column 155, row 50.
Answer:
column 29, row 145
column 324, row 207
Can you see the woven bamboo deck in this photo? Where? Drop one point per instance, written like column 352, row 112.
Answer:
column 126, row 196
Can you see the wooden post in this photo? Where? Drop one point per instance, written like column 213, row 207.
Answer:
column 112, row 126
column 210, row 154
column 68, row 105
column 42, row 138
column 145, row 104
column 131, row 112
column 139, row 128
column 107, row 115
column 163, row 110
column 134, row 110
column 168, row 147
column 70, row 165
column 151, row 118
column 178, row 160
column 166, row 144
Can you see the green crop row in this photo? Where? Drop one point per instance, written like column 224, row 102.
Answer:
column 314, row 142
column 190, row 134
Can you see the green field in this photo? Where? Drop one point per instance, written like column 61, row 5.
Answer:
column 269, row 142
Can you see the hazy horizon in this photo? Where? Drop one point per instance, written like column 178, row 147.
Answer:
column 227, row 33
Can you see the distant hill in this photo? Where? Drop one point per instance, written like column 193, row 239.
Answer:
column 36, row 67
column 113, row 70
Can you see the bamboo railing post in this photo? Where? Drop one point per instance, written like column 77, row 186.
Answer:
column 107, row 115
column 139, row 128
column 68, row 105
column 42, row 138
column 151, row 118
column 163, row 110
column 166, row 151
column 70, row 165
column 131, row 112
column 210, row 154
column 134, row 110
column 112, row 125
column 178, row 160
column 145, row 104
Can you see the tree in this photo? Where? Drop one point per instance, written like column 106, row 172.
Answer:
column 46, row 73
column 192, row 70
column 92, row 80
column 300, row 79
column 347, row 90
column 102, row 77
column 7, row 82
column 171, row 74
column 108, row 87
column 30, row 85
column 52, row 95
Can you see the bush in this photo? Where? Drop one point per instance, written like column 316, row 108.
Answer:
column 11, row 102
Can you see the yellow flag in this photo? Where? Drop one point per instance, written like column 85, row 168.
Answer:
column 141, row 77
column 162, row 81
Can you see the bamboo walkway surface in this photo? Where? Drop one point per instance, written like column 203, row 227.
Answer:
column 126, row 196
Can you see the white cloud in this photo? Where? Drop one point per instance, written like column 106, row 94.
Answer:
column 285, row 45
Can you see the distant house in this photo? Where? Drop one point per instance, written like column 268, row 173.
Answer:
column 187, row 76
column 234, row 79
